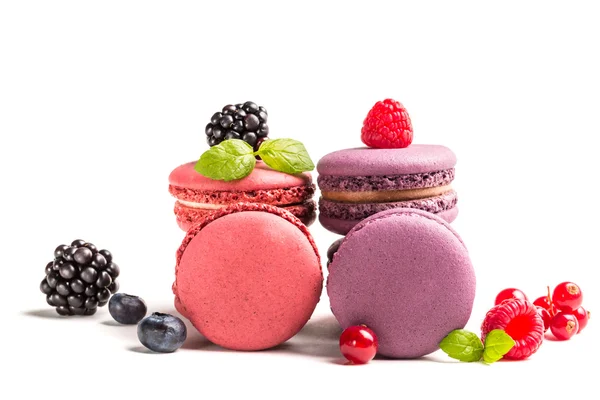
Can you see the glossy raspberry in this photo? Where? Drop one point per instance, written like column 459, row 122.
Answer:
column 564, row 326
column 521, row 321
column 509, row 294
column 387, row 126
column 567, row 296
column 358, row 344
column 582, row 316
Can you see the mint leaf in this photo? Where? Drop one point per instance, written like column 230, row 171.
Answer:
column 497, row 344
column 227, row 161
column 462, row 345
column 286, row 155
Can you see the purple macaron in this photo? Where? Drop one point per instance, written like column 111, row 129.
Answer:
column 357, row 183
column 407, row 275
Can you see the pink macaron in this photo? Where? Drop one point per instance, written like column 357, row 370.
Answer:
column 248, row 276
column 198, row 196
column 407, row 275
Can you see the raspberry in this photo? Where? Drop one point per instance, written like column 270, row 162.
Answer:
column 520, row 320
column 387, row 126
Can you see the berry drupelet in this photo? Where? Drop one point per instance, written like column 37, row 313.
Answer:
column 247, row 122
column 80, row 279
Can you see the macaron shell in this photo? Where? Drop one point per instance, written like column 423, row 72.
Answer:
column 364, row 161
column 407, row 275
column 188, row 216
column 248, row 277
column 343, row 226
column 262, row 177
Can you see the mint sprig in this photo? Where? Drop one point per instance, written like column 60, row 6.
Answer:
column 497, row 344
column 230, row 160
column 286, row 155
column 235, row 159
column 462, row 345
column 466, row 346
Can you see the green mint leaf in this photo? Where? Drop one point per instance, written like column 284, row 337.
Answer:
column 497, row 344
column 462, row 345
column 227, row 161
column 286, row 155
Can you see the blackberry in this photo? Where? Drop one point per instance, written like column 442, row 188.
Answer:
column 80, row 279
column 247, row 122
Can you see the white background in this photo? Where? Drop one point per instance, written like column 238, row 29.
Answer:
column 100, row 100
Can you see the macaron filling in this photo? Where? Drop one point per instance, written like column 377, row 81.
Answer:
column 275, row 196
column 385, row 196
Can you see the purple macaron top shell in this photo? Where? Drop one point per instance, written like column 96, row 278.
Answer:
column 407, row 275
column 364, row 161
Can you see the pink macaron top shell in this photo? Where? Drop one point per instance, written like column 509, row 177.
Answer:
column 261, row 178
column 248, row 277
column 407, row 275
column 364, row 161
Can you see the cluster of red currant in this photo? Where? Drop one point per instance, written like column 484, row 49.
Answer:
column 561, row 309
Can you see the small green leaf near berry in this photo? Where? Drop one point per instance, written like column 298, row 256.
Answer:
column 230, row 160
column 497, row 344
column 462, row 345
column 286, row 155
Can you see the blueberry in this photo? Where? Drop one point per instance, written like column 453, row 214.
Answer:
column 127, row 309
column 162, row 333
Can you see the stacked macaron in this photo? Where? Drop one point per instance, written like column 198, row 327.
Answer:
column 229, row 173
column 389, row 173
column 198, row 196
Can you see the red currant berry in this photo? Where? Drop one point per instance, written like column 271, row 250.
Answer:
column 567, row 296
column 358, row 344
column 545, row 303
column 546, row 317
column 509, row 294
column 564, row 326
column 582, row 316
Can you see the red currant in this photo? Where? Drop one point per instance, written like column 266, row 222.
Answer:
column 358, row 344
column 582, row 316
column 564, row 326
column 509, row 294
column 567, row 296
column 546, row 317
column 546, row 303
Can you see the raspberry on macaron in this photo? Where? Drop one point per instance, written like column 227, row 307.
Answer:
column 387, row 126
